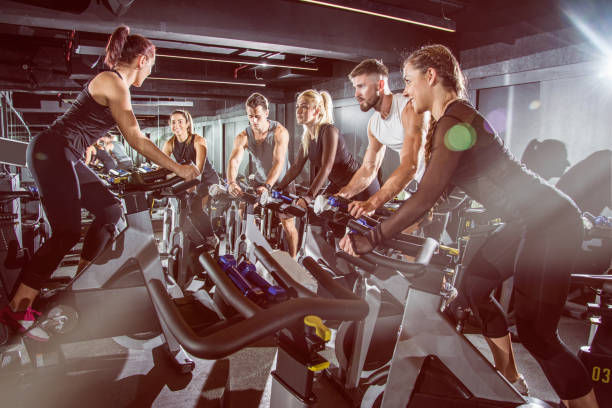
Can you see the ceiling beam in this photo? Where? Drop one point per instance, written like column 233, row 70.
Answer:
column 282, row 26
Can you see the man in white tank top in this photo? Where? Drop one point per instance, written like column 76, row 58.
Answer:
column 393, row 124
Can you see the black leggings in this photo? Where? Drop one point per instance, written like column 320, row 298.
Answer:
column 65, row 185
column 542, row 260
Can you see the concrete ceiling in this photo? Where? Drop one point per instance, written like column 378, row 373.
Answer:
column 277, row 47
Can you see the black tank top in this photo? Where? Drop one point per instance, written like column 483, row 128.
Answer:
column 344, row 166
column 84, row 122
column 489, row 173
column 184, row 152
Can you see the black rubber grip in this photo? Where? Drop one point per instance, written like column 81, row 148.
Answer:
column 295, row 210
column 153, row 175
column 409, row 269
column 325, row 279
column 354, row 225
column 153, row 186
column 184, row 186
column 234, row 337
column 359, row 262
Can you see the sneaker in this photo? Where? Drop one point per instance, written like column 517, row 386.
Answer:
column 24, row 323
column 521, row 385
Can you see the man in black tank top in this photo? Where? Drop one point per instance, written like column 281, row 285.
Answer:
column 267, row 142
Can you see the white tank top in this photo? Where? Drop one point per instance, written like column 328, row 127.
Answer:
column 390, row 131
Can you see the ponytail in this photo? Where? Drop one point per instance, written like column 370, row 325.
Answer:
column 323, row 101
column 327, row 108
column 429, row 139
column 123, row 47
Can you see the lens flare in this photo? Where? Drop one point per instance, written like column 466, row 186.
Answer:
column 460, row 137
column 535, row 104
column 496, row 120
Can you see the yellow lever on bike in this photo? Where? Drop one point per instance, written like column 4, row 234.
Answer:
column 322, row 331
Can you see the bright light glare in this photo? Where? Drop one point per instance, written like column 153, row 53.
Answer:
column 596, row 39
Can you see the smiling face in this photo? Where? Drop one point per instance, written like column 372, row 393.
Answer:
column 366, row 91
column 305, row 111
column 417, row 88
column 179, row 125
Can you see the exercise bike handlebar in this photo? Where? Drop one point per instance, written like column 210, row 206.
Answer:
column 279, row 272
column 157, row 185
column 370, row 261
column 184, row 186
column 326, row 280
column 261, row 323
column 154, row 175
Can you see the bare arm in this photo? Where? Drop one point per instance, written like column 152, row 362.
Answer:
column 167, row 148
column 117, row 95
column 409, row 158
column 295, row 169
column 437, row 177
column 201, row 151
column 88, row 154
column 329, row 139
column 240, row 143
column 279, row 155
column 367, row 172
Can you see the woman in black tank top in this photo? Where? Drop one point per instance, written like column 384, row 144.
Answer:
column 325, row 147
column 54, row 157
column 189, row 147
column 542, row 226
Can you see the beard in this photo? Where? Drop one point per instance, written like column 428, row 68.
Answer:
column 368, row 104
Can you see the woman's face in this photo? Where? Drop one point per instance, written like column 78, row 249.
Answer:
column 305, row 111
column 417, row 89
column 144, row 71
column 178, row 124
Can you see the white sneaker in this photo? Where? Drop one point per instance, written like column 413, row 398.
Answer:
column 521, row 385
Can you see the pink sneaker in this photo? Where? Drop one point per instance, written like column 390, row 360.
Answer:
column 24, row 323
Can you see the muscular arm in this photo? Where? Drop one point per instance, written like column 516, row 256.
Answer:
column 279, row 155
column 442, row 165
column 89, row 154
column 240, row 143
column 118, row 98
column 367, row 172
column 295, row 169
column 409, row 158
column 200, row 148
column 329, row 139
column 167, row 147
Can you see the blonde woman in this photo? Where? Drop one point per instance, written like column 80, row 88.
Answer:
column 325, row 147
